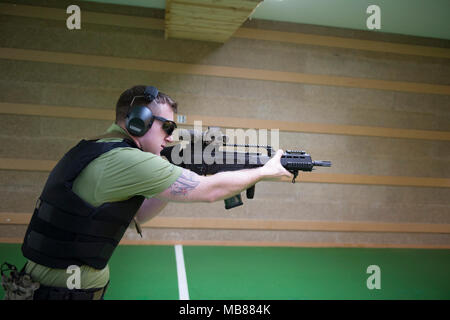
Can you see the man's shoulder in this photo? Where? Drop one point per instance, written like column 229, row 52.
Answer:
column 127, row 152
column 129, row 156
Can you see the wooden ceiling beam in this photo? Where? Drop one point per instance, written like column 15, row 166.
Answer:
column 206, row 20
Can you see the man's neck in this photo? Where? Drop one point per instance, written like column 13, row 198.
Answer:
column 135, row 140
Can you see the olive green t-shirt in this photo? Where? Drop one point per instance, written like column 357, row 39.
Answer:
column 116, row 175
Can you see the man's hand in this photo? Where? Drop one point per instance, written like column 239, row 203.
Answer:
column 273, row 170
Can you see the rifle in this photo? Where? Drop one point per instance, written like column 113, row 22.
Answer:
column 203, row 155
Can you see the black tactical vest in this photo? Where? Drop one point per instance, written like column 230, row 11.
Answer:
column 64, row 229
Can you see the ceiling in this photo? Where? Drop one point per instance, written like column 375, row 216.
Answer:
column 410, row 17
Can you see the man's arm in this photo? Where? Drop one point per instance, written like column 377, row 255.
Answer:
column 149, row 209
column 190, row 187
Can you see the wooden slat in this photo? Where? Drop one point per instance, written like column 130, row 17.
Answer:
column 188, row 24
column 248, row 33
column 207, row 35
column 231, row 122
column 219, row 71
column 212, row 13
column 200, row 30
column 195, row 26
column 262, row 244
column 281, row 244
column 362, row 179
column 338, row 42
column 256, row 224
column 358, row 179
column 290, row 126
column 56, row 111
column 15, row 218
column 87, row 16
column 267, row 225
column 243, row 5
column 26, row 164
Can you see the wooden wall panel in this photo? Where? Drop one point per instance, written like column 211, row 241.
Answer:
column 14, row 234
column 302, row 202
column 221, row 71
column 264, row 100
column 294, row 78
column 354, row 155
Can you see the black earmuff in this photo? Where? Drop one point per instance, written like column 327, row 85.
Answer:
column 139, row 118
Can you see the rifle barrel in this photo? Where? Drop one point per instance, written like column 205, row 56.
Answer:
column 322, row 163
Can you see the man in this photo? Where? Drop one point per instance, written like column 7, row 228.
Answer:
column 100, row 185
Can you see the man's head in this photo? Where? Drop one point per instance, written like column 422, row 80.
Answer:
column 162, row 107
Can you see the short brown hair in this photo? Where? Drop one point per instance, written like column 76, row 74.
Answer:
column 125, row 99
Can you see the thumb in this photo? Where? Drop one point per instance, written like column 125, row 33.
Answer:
column 279, row 154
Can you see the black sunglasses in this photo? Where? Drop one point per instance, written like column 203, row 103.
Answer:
column 168, row 125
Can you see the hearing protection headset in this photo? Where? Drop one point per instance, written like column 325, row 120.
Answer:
column 140, row 118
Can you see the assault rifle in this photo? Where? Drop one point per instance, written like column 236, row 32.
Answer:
column 206, row 154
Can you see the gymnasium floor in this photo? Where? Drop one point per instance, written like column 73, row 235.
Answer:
column 241, row 273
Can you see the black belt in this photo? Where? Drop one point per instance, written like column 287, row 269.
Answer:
column 57, row 293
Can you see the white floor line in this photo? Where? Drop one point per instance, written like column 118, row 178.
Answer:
column 181, row 273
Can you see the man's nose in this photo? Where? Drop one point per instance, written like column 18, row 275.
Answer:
column 169, row 138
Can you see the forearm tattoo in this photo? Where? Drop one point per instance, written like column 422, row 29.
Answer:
column 186, row 182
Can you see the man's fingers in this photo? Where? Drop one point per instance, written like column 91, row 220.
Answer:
column 279, row 154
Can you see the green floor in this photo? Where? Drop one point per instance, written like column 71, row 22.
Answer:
column 149, row 272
